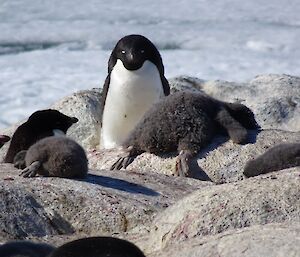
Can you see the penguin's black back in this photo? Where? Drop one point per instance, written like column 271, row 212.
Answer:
column 25, row 249
column 98, row 247
column 39, row 125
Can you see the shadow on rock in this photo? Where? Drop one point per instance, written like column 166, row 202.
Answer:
column 120, row 184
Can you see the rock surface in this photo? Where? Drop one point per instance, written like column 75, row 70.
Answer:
column 257, row 201
column 144, row 204
column 272, row 240
column 105, row 202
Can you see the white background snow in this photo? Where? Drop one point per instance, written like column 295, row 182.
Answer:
column 52, row 48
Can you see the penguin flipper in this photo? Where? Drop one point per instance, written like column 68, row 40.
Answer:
column 104, row 95
column 165, row 84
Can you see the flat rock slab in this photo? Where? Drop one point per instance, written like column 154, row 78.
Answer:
column 261, row 200
column 104, row 202
column 272, row 240
column 222, row 161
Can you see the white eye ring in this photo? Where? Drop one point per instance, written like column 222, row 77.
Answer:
column 123, row 51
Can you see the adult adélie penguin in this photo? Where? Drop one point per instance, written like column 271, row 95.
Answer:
column 135, row 82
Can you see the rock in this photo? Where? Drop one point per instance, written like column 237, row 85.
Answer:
column 272, row 240
column 84, row 105
column 256, row 201
column 221, row 161
column 275, row 99
column 105, row 202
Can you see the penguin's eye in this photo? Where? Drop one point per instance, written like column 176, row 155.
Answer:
column 123, row 52
column 142, row 51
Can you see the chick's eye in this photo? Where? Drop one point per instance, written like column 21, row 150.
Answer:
column 123, row 52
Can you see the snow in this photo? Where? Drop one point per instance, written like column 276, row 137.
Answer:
column 49, row 49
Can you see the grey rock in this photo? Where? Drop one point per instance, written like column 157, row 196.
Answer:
column 256, row 201
column 104, row 202
column 84, row 105
column 272, row 240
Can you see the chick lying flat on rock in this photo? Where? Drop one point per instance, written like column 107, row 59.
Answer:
column 56, row 157
column 98, row 247
column 279, row 157
column 186, row 122
column 39, row 125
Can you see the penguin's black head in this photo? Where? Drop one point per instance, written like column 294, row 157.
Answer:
column 51, row 119
column 98, row 247
column 133, row 50
column 3, row 140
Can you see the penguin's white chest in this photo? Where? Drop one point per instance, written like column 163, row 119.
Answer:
column 130, row 95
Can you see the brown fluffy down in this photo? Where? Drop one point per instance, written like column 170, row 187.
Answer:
column 59, row 156
column 279, row 157
column 188, row 121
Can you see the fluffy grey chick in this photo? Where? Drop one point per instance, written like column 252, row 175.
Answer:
column 279, row 157
column 186, row 122
column 56, row 156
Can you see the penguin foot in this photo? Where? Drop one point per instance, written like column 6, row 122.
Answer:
column 182, row 167
column 31, row 170
column 124, row 160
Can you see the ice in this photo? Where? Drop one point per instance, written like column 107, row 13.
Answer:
column 49, row 49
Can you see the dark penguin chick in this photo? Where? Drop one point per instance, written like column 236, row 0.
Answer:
column 40, row 124
column 56, row 157
column 25, row 249
column 3, row 140
column 135, row 82
column 98, row 247
column 242, row 114
column 279, row 157
column 185, row 122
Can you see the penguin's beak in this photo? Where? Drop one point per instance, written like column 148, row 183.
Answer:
column 133, row 61
column 74, row 120
column 4, row 138
column 130, row 57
